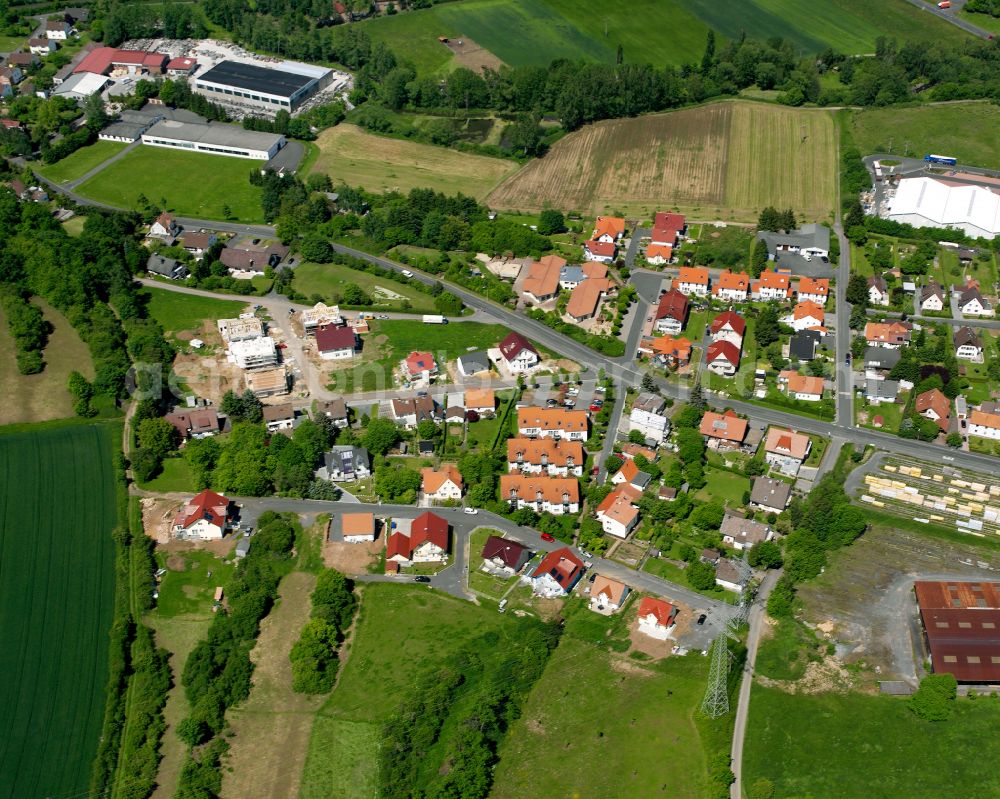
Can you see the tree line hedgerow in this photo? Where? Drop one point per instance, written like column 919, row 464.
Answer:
column 217, row 673
column 314, row 656
column 443, row 740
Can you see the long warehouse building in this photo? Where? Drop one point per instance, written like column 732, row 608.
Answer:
column 284, row 86
column 939, row 202
column 216, row 138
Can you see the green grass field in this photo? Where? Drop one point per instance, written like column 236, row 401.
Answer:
column 394, row 619
column 849, row 26
column 392, row 340
column 725, row 487
column 78, row 164
column 191, row 184
column 567, row 743
column 176, row 311
column 984, row 21
column 592, row 31
column 181, row 618
column 966, row 131
column 57, row 510
column 175, row 476
column 834, row 745
column 379, row 163
column 325, row 279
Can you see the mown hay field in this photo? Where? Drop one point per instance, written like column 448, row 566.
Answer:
column 57, row 510
column 720, row 161
column 45, row 396
column 377, row 163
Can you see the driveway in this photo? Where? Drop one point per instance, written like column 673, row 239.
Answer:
column 633, row 244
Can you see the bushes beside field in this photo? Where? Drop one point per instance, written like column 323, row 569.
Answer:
column 314, row 655
column 139, row 673
column 29, row 330
column 458, row 714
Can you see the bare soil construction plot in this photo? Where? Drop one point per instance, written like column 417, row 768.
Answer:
column 719, row 161
column 863, row 601
column 472, row 56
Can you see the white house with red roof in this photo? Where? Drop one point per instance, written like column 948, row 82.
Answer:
column 656, row 618
column 731, row 286
column 518, row 353
column 504, row 556
column 816, row 289
column 723, row 358
column 335, row 343
column 617, row 513
column 806, row 315
column 556, row 575
column 728, row 326
column 608, row 229
column 772, row 286
column 164, row 226
column 420, row 365
column 671, row 312
column 441, row 484
column 424, row 540
column 693, row 280
column 599, row 251
column 205, row 517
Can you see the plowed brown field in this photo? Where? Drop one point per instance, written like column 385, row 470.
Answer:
column 726, row 160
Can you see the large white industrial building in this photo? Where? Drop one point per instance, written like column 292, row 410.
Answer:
column 936, row 202
column 286, row 85
column 217, row 138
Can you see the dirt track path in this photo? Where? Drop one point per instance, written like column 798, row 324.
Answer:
column 272, row 727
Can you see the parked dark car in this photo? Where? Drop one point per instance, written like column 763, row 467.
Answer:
column 701, row 618
column 421, row 578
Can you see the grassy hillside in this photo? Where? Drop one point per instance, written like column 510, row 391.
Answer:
column 381, row 164
column 591, row 30
column 57, row 509
column 400, row 632
column 724, row 160
column 832, row 745
column 967, row 131
column 652, row 724
column 41, row 397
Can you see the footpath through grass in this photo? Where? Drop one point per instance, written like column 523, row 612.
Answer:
column 189, row 184
column 836, row 745
column 78, row 164
column 329, row 279
column 57, row 510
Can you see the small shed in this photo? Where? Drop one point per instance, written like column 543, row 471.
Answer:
column 242, row 547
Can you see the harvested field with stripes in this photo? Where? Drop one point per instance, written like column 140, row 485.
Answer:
column 57, row 510
column 719, row 161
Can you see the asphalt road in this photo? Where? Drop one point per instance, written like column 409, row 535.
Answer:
column 756, row 622
column 845, row 391
column 950, row 15
column 625, row 372
column 451, row 580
